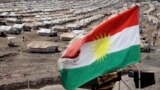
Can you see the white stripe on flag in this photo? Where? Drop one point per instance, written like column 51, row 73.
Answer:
column 119, row 41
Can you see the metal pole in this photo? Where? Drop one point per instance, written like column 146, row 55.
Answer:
column 139, row 71
column 139, row 76
column 119, row 84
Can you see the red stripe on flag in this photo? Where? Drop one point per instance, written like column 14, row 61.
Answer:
column 115, row 25
column 107, row 28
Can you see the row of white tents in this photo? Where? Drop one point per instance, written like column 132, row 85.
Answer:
column 50, row 47
column 15, row 29
column 84, row 22
column 67, row 19
column 152, row 20
column 150, row 10
column 49, row 6
column 148, row 16
column 49, row 18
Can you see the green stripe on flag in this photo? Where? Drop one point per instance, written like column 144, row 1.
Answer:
column 73, row 78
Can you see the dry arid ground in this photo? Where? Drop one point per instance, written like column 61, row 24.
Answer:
column 19, row 66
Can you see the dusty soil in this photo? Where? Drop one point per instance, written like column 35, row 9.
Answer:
column 17, row 65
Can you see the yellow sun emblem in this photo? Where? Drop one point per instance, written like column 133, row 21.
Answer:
column 101, row 47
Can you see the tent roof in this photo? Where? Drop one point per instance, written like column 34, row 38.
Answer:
column 5, row 28
column 41, row 44
column 19, row 26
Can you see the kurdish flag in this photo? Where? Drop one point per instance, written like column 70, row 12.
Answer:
column 112, row 45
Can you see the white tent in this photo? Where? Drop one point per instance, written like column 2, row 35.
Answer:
column 9, row 29
column 5, row 28
column 46, row 32
column 18, row 26
column 67, row 36
column 42, row 47
column 4, row 13
column 12, row 20
column 78, row 32
column 59, row 28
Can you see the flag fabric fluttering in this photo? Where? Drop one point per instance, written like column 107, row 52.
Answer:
column 113, row 44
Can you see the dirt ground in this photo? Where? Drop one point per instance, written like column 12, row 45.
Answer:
column 17, row 65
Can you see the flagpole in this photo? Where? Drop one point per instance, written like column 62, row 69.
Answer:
column 119, row 84
column 140, row 21
column 139, row 76
column 139, row 70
